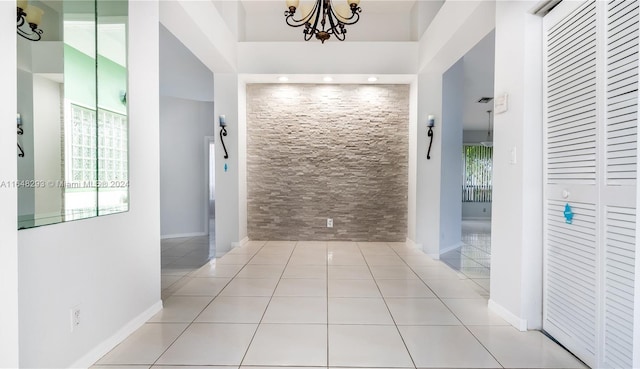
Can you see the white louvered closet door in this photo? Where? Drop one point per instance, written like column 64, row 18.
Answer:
column 591, row 105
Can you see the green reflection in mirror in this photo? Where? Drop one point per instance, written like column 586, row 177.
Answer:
column 72, row 106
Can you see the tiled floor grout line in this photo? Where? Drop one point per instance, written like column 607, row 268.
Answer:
column 244, row 356
column 210, row 302
column 446, row 306
column 384, row 300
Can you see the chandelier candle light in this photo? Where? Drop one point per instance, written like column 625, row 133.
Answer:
column 32, row 15
column 323, row 20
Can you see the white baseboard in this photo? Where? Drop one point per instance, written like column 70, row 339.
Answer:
column 181, row 235
column 107, row 345
column 240, row 243
column 411, row 243
column 519, row 323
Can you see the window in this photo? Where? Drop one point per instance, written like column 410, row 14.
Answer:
column 477, row 173
column 97, row 169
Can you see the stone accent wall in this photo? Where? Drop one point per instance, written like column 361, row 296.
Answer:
column 327, row 151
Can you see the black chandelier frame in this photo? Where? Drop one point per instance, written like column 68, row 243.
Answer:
column 36, row 33
column 323, row 13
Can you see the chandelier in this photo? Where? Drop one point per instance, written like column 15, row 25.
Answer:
column 32, row 15
column 323, row 20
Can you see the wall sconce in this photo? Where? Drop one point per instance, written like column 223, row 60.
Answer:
column 32, row 15
column 431, row 122
column 223, row 133
column 20, row 133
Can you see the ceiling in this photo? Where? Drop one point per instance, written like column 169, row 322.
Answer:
column 384, row 20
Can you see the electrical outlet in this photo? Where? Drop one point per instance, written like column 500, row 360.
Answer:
column 75, row 318
column 329, row 223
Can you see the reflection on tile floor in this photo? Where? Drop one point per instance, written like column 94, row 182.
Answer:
column 368, row 305
column 473, row 259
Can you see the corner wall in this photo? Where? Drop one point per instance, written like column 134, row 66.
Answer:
column 109, row 266
column 186, row 118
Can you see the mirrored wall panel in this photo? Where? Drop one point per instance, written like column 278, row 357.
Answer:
column 72, row 125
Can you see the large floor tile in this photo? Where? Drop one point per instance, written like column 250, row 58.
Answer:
column 276, row 250
column 367, row 346
column 120, row 367
column 303, row 260
column 438, row 271
column 353, row 288
column 393, row 272
column 373, row 260
column 532, row 349
column 212, row 269
column 234, row 259
column 250, row 287
column 345, row 259
column 446, row 347
column 145, row 345
column 420, row 311
column 474, row 312
column 311, row 310
column 306, row 272
column 203, row 287
column 210, row 344
column 181, row 309
column 349, row 272
column 452, row 288
column 269, row 259
column 364, row 310
column 301, row 287
column 261, row 271
column 234, row 309
column 288, row 345
column 404, row 288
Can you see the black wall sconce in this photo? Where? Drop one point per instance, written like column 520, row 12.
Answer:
column 223, row 133
column 20, row 133
column 431, row 122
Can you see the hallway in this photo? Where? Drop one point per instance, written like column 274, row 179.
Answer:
column 331, row 304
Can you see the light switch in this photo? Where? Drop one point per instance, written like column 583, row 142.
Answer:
column 501, row 104
column 513, row 156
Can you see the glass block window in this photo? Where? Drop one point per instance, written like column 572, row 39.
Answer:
column 112, row 141
column 98, row 153
column 83, row 146
column 477, row 173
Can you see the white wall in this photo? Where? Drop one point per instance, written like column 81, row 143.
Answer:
column 186, row 117
column 182, row 74
column 450, row 129
column 227, row 90
column 109, row 265
column 9, row 350
column 353, row 57
column 454, row 31
column 183, row 180
column 516, row 240
column 422, row 14
column 199, row 26
column 47, row 154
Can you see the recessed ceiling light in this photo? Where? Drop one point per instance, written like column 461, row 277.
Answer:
column 327, row 79
column 283, row 79
column 372, row 79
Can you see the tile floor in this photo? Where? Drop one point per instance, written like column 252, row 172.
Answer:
column 335, row 304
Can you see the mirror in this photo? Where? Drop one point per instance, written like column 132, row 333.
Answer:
column 72, row 111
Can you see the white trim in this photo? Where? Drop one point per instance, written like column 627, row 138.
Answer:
column 107, row 345
column 519, row 323
column 411, row 243
column 180, row 235
column 240, row 243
